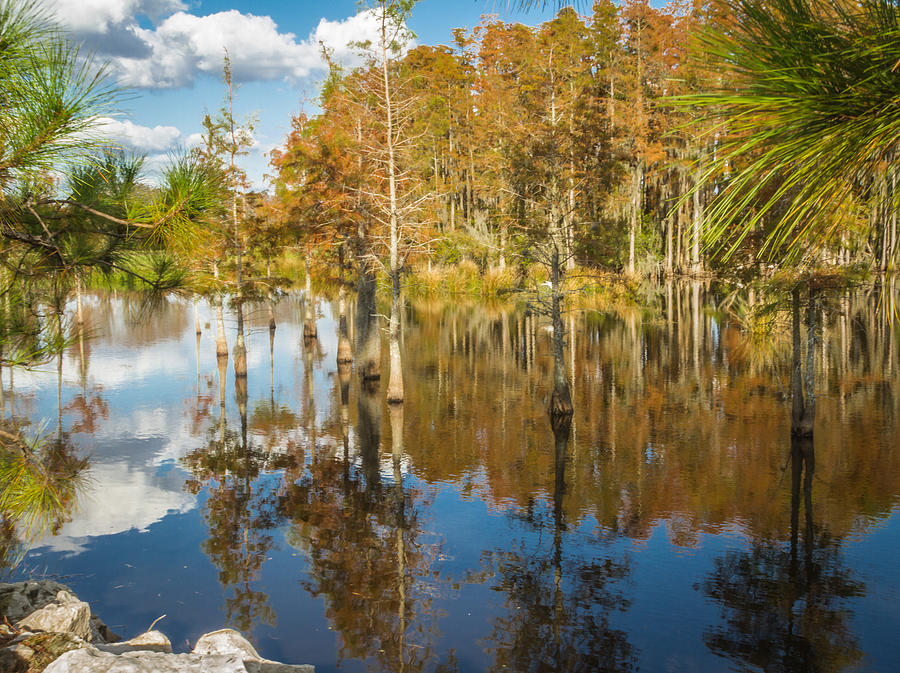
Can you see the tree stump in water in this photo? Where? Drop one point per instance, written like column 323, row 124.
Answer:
column 560, row 404
column 345, row 351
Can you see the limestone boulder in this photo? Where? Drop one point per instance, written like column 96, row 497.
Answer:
column 151, row 641
column 49, row 606
column 230, row 642
column 65, row 614
column 225, row 641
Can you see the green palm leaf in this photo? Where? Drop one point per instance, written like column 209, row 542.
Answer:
column 809, row 109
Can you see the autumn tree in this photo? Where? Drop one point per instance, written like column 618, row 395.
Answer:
column 394, row 196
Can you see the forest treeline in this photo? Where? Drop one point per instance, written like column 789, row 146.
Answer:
column 728, row 137
column 584, row 128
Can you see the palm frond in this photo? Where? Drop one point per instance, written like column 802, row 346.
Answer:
column 806, row 115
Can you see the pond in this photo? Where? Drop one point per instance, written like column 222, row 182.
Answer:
column 673, row 527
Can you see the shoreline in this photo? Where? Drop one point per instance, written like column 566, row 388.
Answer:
column 46, row 627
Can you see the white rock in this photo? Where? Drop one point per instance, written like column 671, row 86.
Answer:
column 66, row 614
column 230, row 642
column 226, row 641
column 150, row 641
column 95, row 661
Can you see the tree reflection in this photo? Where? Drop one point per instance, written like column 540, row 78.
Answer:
column 784, row 607
column 241, row 509
column 367, row 553
column 41, row 479
column 559, row 604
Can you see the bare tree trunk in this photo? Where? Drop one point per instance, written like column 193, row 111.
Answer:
column 79, row 307
column 79, row 319
column 561, row 399
column 803, row 400
column 395, row 382
column 570, row 226
column 812, row 332
column 634, row 219
column 197, row 329
column 222, row 368
column 368, row 335
column 797, row 401
column 696, row 267
column 344, row 351
column 670, row 224
column 309, row 323
column 221, row 341
column 240, row 350
column 271, row 357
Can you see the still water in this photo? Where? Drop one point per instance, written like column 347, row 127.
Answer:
column 672, row 527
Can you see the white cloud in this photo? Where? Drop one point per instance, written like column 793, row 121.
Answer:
column 194, row 140
column 101, row 16
column 182, row 46
column 340, row 35
column 142, row 138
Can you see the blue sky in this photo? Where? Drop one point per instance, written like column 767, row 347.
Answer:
column 169, row 54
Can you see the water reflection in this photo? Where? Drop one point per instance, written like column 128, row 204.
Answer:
column 241, row 509
column 387, row 525
column 785, row 607
column 369, row 558
column 558, row 601
column 41, row 479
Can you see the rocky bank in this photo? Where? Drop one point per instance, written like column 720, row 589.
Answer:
column 45, row 627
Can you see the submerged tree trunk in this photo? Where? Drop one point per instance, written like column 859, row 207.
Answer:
column 197, row 329
column 368, row 334
column 561, row 426
column 221, row 341
column 240, row 349
column 240, row 395
column 344, row 350
column 197, row 335
column 222, row 368
column 309, row 323
column 561, row 399
column 395, row 382
column 803, row 399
